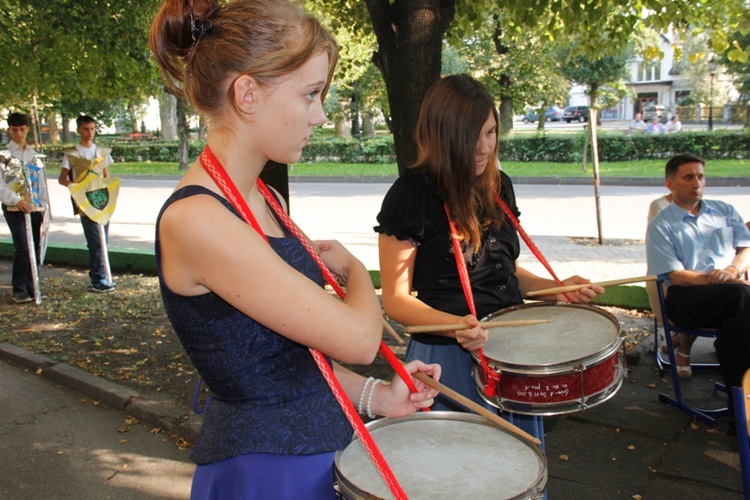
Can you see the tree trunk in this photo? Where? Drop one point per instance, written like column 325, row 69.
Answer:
column 410, row 35
column 133, row 118
column 368, row 124
column 202, row 128
column 168, row 115
column 506, row 116
column 342, row 128
column 541, row 115
column 505, row 84
column 276, row 175
column 54, row 132
column 65, row 128
column 184, row 133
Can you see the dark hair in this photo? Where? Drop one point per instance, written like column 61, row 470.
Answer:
column 84, row 119
column 451, row 117
column 201, row 47
column 674, row 163
column 18, row 120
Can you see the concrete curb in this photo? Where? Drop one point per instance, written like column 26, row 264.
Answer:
column 155, row 411
column 129, row 260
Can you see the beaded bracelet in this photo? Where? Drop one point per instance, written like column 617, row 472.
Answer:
column 360, row 406
column 369, row 399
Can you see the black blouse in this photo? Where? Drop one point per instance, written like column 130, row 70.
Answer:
column 413, row 210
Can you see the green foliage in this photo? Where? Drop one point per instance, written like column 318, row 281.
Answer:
column 560, row 148
column 157, row 151
column 620, row 147
column 349, row 150
column 63, row 50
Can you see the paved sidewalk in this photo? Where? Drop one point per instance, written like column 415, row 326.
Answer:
column 632, row 446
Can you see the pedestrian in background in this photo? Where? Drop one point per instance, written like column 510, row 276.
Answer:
column 84, row 159
column 23, row 191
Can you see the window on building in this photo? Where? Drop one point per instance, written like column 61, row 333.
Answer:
column 648, row 72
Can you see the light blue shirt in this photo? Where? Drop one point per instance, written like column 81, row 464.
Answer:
column 677, row 240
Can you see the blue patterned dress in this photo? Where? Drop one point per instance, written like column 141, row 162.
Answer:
column 273, row 424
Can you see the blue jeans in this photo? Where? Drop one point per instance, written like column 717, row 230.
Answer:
column 92, row 230
column 22, row 278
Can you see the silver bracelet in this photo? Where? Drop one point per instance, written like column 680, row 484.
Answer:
column 369, row 399
column 360, row 406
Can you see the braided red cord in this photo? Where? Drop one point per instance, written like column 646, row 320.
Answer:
column 493, row 378
column 214, row 169
column 397, row 366
column 527, row 239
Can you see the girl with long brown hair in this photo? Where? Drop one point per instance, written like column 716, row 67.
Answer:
column 456, row 175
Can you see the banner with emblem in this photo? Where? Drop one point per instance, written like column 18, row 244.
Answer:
column 96, row 197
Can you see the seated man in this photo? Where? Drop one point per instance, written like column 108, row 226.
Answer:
column 637, row 124
column 701, row 248
column 655, row 127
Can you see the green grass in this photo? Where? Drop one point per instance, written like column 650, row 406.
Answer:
column 640, row 168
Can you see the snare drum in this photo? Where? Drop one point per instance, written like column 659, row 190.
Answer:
column 446, row 455
column 565, row 366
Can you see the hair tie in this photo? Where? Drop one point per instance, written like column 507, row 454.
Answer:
column 200, row 28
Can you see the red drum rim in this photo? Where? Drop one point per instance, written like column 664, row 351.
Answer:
column 559, row 367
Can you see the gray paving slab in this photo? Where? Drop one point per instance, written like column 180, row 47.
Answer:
column 57, row 443
column 632, row 446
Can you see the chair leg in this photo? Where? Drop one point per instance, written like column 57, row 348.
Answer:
column 704, row 414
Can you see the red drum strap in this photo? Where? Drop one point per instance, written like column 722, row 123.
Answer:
column 527, row 239
column 213, row 167
column 490, row 385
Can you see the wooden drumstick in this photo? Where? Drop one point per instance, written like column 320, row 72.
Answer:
column 485, row 324
column 476, row 408
column 573, row 288
column 392, row 332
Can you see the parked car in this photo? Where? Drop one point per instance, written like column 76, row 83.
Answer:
column 654, row 110
column 552, row 114
column 577, row 113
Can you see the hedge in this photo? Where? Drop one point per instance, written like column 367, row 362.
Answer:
column 613, row 147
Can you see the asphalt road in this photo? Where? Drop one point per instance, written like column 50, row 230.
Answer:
column 347, row 212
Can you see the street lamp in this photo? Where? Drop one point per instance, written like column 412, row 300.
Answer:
column 712, row 69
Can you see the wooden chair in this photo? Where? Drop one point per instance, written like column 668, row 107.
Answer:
column 706, row 415
column 741, row 397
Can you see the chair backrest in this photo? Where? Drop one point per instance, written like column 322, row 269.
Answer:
column 654, row 208
column 661, row 295
column 653, row 300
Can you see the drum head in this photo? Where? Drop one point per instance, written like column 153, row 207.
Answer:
column 576, row 333
column 446, row 455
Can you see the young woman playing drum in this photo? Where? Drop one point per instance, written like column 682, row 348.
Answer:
column 455, row 180
column 247, row 302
